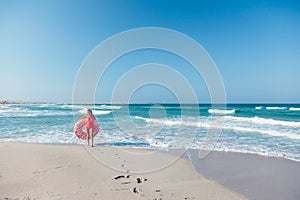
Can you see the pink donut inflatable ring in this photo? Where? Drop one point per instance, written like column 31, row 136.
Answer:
column 80, row 133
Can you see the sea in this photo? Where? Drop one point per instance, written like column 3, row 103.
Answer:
column 265, row 129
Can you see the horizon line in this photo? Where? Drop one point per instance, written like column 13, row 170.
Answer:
column 124, row 103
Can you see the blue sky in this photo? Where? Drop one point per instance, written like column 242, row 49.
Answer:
column 255, row 45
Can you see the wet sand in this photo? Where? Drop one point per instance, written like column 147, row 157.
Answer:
column 254, row 176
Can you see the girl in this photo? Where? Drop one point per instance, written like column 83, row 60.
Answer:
column 89, row 125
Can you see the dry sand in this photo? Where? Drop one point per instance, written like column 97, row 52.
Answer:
column 33, row 171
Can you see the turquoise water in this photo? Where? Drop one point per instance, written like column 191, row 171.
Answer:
column 272, row 130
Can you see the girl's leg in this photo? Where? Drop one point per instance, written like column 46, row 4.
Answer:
column 91, row 136
column 88, row 137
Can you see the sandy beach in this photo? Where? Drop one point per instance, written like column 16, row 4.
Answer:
column 34, row 171
column 254, row 176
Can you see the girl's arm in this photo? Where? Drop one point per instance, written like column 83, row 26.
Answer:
column 84, row 116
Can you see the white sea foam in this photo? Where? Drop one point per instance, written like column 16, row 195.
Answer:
column 264, row 121
column 25, row 112
column 245, row 120
column 60, row 138
column 96, row 112
column 248, row 128
column 294, row 109
column 221, row 112
column 9, row 109
column 101, row 112
column 258, row 107
column 69, row 106
column 238, row 124
column 256, row 152
column 263, row 131
column 275, row 108
column 156, row 143
column 110, row 107
column 167, row 122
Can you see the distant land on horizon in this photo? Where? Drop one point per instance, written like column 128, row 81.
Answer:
column 122, row 103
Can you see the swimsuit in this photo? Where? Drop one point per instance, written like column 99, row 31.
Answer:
column 89, row 123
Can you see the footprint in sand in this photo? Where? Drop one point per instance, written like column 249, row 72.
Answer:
column 121, row 176
column 118, row 177
column 136, row 190
column 140, row 180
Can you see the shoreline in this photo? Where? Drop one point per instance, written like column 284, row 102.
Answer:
column 42, row 171
column 282, row 156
